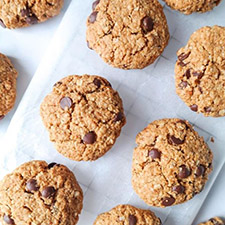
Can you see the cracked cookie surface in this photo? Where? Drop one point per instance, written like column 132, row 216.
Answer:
column 40, row 193
column 200, row 72
column 84, row 116
column 8, row 76
column 128, row 34
column 15, row 13
column 127, row 215
column 190, row 6
column 213, row 221
column 171, row 163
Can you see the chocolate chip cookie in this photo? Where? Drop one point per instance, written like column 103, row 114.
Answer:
column 8, row 76
column 128, row 34
column 200, row 71
column 84, row 116
column 190, row 6
column 40, row 193
column 213, row 221
column 127, row 214
column 171, row 163
column 15, row 14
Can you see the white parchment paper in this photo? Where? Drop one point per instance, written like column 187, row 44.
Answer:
column 147, row 94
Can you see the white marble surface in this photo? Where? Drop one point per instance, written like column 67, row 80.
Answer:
column 25, row 47
column 214, row 204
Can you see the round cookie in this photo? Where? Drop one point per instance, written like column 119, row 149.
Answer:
column 40, row 193
column 200, row 71
column 128, row 34
column 84, row 116
column 190, row 6
column 127, row 215
column 213, row 221
column 8, row 77
column 15, row 14
column 171, row 163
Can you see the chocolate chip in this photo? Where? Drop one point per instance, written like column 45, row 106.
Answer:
column 89, row 45
column 93, row 16
column 154, row 153
column 51, row 165
column 118, row 117
column 168, row 201
column 97, row 82
column 194, row 108
column 181, row 63
column 90, row 138
column 2, row 23
column 48, row 192
column 184, row 172
column 199, row 75
column 95, row 3
column 2, row 117
column 179, row 189
column 66, row 102
column 57, row 83
column 187, row 74
column 32, row 185
column 207, row 109
column 173, row 140
column 25, row 12
column 8, row 219
column 132, row 220
column 183, row 56
column 215, row 222
column 200, row 89
column 200, row 170
column 32, row 19
column 183, row 84
column 147, row 24
column 184, row 123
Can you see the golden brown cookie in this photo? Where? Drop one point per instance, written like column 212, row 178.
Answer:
column 127, row 215
column 15, row 14
column 190, row 6
column 171, row 163
column 213, row 221
column 128, row 34
column 84, row 116
column 200, row 71
column 8, row 76
column 41, row 194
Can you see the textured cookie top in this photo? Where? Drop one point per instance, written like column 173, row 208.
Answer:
column 213, row 221
column 127, row 215
column 127, row 34
column 190, row 6
column 84, row 116
column 171, row 163
column 40, row 194
column 8, row 77
column 200, row 71
column 15, row 13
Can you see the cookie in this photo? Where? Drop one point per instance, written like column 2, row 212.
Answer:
column 8, row 76
column 191, row 6
column 128, row 34
column 84, row 116
column 213, row 221
column 129, row 215
column 15, row 14
column 41, row 194
column 200, row 72
column 171, row 163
